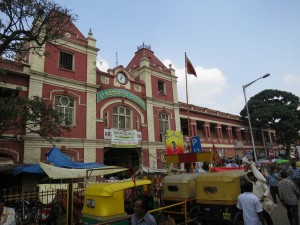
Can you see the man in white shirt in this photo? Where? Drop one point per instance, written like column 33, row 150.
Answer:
column 250, row 204
column 261, row 190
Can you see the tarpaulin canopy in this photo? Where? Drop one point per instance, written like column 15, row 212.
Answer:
column 55, row 172
column 56, row 157
column 34, row 168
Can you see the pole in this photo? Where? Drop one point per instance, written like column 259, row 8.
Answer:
column 250, row 127
column 264, row 141
column 249, row 120
column 187, row 102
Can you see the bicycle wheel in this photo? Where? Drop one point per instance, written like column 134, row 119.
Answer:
column 24, row 216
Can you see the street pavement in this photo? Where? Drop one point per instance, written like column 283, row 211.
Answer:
column 279, row 215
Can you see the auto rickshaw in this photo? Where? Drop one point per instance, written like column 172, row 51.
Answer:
column 104, row 202
column 179, row 188
column 216, row 197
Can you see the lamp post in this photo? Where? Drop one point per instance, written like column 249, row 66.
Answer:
column 248, row 114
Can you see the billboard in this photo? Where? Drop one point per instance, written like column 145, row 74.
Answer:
column 174, row 142
column 124, row 138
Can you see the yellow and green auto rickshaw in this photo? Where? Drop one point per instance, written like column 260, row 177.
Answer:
column 179, row 188
column 104, row 202
column 216, row 197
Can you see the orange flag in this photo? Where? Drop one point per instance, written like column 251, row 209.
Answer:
column 216, row 156
column 189, row 67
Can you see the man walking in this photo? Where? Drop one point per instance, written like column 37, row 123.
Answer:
column 274, row 178
column 261, row 190
column 289, row 195
column 250, row 204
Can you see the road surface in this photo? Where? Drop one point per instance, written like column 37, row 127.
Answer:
column 279, row 215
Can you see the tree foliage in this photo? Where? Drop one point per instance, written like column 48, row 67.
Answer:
column 34, row 116
column 280, row 110
column 28, row 24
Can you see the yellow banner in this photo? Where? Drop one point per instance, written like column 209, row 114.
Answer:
column 174, row 142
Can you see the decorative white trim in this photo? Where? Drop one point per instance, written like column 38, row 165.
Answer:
column 12, row 151
column 165, row 111
column 76, row 152
column 14, row 87
column 63, row 92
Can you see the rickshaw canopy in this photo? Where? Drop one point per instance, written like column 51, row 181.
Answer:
column 108, row 189
column 219, row 188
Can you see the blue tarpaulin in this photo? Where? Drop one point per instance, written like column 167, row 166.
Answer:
column 34, row 168
column 56, row 157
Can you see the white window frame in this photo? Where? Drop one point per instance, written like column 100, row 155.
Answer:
column 137, row 123
column 119, row 115
column 64, row 107
column 164, row 124
column 106, row 119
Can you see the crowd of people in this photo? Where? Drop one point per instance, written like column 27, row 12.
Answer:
column 282, row 185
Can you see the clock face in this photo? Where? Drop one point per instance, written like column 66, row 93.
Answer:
column 121, row 78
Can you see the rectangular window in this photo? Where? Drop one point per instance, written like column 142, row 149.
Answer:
column 137, row 123
column 106, row 119
column 115, row 121
column 161, row 87
column 163, row 125
column 66, row 107
column 66, row 60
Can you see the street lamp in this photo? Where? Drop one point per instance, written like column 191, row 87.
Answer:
column 248, row 114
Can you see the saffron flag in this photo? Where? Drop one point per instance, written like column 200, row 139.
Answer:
column 189, row 67
column 216, row 156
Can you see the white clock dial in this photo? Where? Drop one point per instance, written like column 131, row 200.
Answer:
column 121, row 78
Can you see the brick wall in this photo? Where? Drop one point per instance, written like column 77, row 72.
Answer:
column 52, row 63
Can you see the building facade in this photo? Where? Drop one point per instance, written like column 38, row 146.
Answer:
column 141, row 96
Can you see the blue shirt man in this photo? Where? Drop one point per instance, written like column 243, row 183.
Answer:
column 274, row 179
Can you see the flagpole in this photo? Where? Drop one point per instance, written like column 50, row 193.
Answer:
column 187, row 102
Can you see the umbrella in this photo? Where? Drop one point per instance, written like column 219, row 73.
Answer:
column 263, row 161
column 282, row 161
column 232, row 165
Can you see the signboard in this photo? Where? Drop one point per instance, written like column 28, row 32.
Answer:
column 107, row 134
column 240, row 153
column 174, row 142
column 238, row 144
column 110, row 93
column 196, row 144
column 249, row 154
column 261, row 152
column 229, row 153
column 124, row 138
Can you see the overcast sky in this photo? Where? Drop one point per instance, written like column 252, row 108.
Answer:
column 230, row 43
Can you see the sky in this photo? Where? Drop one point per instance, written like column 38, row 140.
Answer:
column 229, row 42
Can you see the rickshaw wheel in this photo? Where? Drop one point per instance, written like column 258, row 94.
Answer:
column 193, row 215
column 238, row 219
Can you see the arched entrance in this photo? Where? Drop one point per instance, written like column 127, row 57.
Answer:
column 123, row 157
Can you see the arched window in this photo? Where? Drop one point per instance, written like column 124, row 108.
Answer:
column 122, row 117
column 66, row 106
column 163, row 124
column 106, row 119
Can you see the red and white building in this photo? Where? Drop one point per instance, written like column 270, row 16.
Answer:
column 141, row 96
